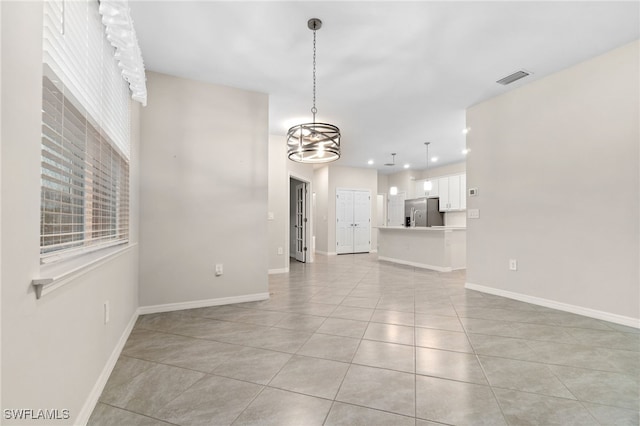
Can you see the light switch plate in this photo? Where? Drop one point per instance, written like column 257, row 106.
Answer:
column 270, row 216
column 473, row 213
column 513, row 265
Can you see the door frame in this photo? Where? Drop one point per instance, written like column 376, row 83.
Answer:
column 309, row 210
column 300, row 214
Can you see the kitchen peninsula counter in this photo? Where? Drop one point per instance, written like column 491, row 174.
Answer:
column 440, row 248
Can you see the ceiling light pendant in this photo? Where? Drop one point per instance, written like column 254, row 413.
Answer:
column 313, row 142
column 428, row 186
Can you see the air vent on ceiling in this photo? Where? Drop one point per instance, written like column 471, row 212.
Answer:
column 513, row 77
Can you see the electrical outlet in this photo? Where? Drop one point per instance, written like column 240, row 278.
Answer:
column 473, row 213
column 280, row 250
column 513, row 265
column 106, row 312
column 219, row 269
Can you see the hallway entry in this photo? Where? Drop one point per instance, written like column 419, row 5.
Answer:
column 298, row 220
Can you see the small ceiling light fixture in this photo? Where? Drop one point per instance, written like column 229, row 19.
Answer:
column 393, row 190
column 466, row 151
column 370, row 162
column 406, row 166
column 428, row 186
column 466, row 130
column 434, row 159
column 313, row 142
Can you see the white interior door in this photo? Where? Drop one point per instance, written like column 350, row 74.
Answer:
column 344, row 221
column 301, row 223
column 361, row 222
column 353, row 221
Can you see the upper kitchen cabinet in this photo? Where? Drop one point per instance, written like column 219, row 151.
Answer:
column 452, row 192
column 421, row 192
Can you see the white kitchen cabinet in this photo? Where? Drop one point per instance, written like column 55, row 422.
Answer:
column 451, row 190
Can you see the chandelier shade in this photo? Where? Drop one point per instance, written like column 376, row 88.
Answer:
column 313, row 142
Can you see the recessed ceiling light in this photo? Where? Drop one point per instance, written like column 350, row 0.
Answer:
column 466, row 130
column 434, row 159
column 465, row 151
column 406, row 166
column 370, row 162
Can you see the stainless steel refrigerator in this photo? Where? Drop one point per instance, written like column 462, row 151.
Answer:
column 423, row 212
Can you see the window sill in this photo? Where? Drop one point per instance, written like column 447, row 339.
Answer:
column 54, row 276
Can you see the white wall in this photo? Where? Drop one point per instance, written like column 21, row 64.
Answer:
column 277, row 204
column 556, row 165
column 280, row 169
column 403, row 181
column 321, row 188
column 0, row 202
column 53, row 349
column 203, row 192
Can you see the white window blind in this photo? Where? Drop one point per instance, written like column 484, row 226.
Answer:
column 78, row 52
column 85, row 134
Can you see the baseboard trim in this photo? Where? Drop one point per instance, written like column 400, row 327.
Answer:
column 566, row 307
column 278, row 271
column 327, row 253
column 153, row 309
column 94, row 395
column 415, row 264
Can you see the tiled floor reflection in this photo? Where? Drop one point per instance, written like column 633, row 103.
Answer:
column 349, row 340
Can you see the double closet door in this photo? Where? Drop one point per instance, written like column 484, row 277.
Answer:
column 353, row 221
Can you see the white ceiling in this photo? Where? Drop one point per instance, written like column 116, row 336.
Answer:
column 392, row 75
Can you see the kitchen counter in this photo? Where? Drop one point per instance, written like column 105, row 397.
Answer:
column 424, row 228
column 440, row 248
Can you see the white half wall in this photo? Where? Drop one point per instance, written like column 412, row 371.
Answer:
column 55, row 349
column 203, row 192
column 556, row 163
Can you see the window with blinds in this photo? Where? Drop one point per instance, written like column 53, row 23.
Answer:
column 85, row 135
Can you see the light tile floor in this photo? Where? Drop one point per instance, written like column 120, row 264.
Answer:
column 349, row 340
